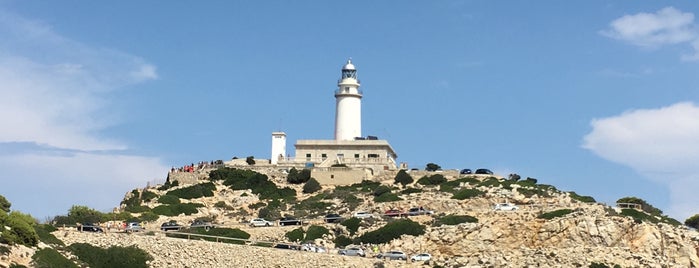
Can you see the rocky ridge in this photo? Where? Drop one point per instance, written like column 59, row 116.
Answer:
column 593, row 233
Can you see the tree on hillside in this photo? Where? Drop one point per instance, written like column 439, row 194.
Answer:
column 403, row 178
column 4, row 204
column 692, row 221
column 250, row 160
column 432, row 167
column 297, row 177
column 311, row 186
column 644, row 205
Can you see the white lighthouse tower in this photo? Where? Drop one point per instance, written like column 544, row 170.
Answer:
column 348, row 111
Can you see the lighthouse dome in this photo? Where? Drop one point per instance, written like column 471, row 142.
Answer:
column 348, row 66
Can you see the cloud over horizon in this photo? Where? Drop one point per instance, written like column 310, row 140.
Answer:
column 660, row 144
column 54, row 109
column 668, row 26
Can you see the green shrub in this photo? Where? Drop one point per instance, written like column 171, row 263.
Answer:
column 393, row 230
column 148, row 216
column 21, row 230
column 692, row 221
column 195, row 191
column 435, row 179
column 381, row 190
column 432, row 167
column 352, row 225
column 315, row 231
column 50, row 258
column 43, row 231
column 403, row 178
column 467, row 193
column 4, row 204
column 168, row 184
column 247, row 179
column 298, row 177
column 148, row 196
column 111, row 257
column 410, row 191
column 311, row 186
column 364, row 186
column 554, row 214
column 177, row 209
column 644, row 205
column 169, row 199
column 342, row 241
column 582, row 198
column 257, row 205
column 83, row 214
column 295, row 235
column 4, row 250
column 454, row 220
column 387, row 197
column 250, row 160
column 489, row 182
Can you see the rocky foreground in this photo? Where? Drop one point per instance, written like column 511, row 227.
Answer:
column 173, row 252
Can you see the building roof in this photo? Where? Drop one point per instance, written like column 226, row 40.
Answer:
column 346, row 143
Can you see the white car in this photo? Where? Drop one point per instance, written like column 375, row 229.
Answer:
column 362, row 215
column 258, row 222
column 421, row 257
column 506, row 207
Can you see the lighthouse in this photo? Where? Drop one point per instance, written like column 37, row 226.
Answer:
column 348, row 109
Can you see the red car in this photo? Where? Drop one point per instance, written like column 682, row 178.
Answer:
column 394, row 213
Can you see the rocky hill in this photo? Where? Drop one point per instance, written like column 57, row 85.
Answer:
column 550, row 228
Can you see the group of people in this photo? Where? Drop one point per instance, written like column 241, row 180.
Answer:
column 201, row 165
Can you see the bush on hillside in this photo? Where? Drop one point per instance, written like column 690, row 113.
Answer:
column 342, row 241
column 410, row 191
column 298, row 177
column 169, row 199
column 381, row 190
column 393, row 230
column 295, row 235
column 177, row 209
column 582, row 198
column 435, row 179
column 315, row 231
column 489, row 182
column 454, row 220
column 168, row 184
column 250, row 160
column 50, row 258
column 21, row 230
column 554, row 214
column 352, row 225
column 4, row 204
column 692, row 221
column 81, row 214
column 403, row 178
column 260, row 184
column 311, row 186
column 113, row 256
column 195, row 191
column 467, row 193
column 387, row 197
column 43, row 231
column 432, row 167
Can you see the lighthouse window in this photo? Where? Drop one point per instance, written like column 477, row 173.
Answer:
column 373, row 156
column 346, row 89
column 356, row 155
column 324, row 156
column 308, row 157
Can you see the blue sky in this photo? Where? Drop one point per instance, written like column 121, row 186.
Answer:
column 597, row 97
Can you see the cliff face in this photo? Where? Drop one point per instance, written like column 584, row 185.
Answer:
column 591, row 233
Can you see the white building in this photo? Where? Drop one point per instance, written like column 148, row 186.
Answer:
column 344, row 159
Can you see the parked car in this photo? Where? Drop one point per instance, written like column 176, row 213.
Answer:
column 202, row 224
column 421, row 257
column 333, row 218
column 258, row 222
column 419, row 211
column 362, row 215
column 312, row 248
column 392, row 255
column 465, row 171
column 170, row 226
column 484, row 171
column 394, row 213
column 133, row 227
column 287, row 246
column 506, row 207
column 89, row 227
column 289, row 221
column 352, row 251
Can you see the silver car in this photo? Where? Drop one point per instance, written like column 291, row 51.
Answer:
column 352, row 251
column 393, row 255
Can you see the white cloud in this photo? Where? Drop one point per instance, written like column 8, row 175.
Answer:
column 667, row 26
column 54, row 98
column 660, row 144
